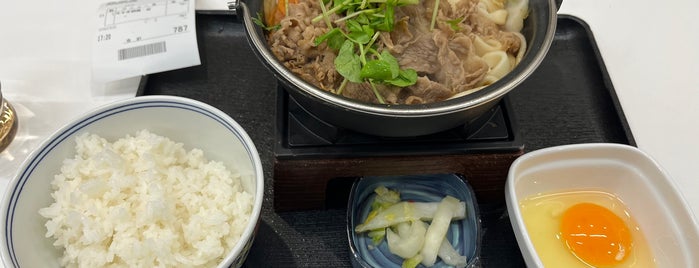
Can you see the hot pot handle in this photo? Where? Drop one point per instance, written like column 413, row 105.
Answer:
column 234, row 5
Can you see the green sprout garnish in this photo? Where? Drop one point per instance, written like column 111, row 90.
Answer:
column 258, row 20
column 358, row 60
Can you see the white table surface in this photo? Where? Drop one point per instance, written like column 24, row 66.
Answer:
column 650, row 49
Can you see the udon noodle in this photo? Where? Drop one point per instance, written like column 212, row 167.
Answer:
column 472, row 44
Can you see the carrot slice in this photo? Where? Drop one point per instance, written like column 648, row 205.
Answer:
column 278, row 11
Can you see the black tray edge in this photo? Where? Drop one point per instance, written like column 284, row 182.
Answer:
column 605, row 77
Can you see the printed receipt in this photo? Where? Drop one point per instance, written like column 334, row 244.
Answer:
column 138, row 37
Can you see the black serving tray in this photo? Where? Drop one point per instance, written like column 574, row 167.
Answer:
column 569, row 99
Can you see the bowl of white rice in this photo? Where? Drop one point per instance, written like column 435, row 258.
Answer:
column 156, row 181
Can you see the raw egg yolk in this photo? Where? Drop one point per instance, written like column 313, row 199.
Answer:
column 595, row 235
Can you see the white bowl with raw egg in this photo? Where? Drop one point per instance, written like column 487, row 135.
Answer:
column 599, row 205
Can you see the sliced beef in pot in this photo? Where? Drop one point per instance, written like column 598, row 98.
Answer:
column 444, row 57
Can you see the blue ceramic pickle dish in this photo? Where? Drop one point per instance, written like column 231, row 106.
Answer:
column 465, row 235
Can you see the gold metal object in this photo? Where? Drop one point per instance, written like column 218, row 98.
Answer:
column 8, row 122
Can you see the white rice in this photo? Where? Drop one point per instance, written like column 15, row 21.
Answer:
column 144, row 201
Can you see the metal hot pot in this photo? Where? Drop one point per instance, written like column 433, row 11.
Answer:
column 405, row 120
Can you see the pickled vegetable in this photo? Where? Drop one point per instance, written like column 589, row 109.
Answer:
column 408, row 236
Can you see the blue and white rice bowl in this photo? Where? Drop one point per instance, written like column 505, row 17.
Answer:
column 193, row 123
